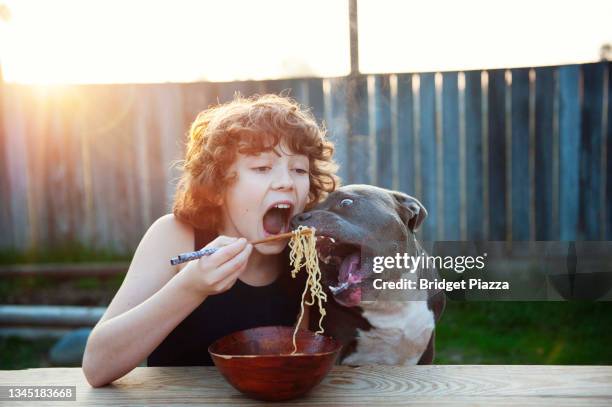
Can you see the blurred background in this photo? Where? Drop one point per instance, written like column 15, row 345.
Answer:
column 495, row 114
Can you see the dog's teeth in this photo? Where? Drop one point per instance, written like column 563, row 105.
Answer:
column 341, row 287
column 332, row 239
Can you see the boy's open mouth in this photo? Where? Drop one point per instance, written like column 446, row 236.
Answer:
column 276, row 218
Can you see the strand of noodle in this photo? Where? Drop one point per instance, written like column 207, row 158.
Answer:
column 303, row 254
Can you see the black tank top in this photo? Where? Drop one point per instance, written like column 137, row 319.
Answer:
column 241, row 307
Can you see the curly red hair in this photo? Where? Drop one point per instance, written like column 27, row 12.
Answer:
column 248, row 126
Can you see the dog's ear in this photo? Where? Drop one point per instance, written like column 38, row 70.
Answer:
column 409, row 209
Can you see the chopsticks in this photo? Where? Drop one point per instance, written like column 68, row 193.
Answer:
column 281, row 236
column 185, row 257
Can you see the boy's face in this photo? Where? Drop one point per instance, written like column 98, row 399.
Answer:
column 273, row 178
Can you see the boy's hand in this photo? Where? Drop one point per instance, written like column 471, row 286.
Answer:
column 218, row 272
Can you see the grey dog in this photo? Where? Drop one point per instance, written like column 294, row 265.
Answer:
column 354, row 224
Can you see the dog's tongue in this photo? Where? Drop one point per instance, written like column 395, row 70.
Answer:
column 348, row 269
column 273, row 221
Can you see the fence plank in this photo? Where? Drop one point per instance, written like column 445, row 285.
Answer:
column 6, row 235
column 37, row 110
column 316, row 98
column 608, row 196
column 590, row 152
column 380, row 128
column 473, row 155
column 569, row 151
column 105, row 118
column 17, row 164
column 157, row 176
column 168, row 106
column 451, row 148
column 543, row 145
column 521, row 192
column 405, row 132
column 497, row 155
column 196, row 97
column 359, row 163
column 128, row 207
column 427, row 140
column 336, row 117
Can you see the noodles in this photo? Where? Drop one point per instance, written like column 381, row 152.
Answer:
column 304, row 253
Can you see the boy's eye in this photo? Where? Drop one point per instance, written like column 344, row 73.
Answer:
column 261, row 169
column 301, row 171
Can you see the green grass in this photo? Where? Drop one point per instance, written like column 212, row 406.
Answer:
column 17, row 353
column 525, row 333
column 65, row 253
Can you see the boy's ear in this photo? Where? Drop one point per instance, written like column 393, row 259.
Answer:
column 410, row 210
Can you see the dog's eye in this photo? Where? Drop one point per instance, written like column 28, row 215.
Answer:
column 346, row 202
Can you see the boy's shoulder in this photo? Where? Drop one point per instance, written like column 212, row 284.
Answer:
column 171, row 223
column 174, row 233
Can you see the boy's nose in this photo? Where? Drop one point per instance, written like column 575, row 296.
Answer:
column 283, row 181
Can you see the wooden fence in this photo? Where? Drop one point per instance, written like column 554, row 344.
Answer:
column 519, row 154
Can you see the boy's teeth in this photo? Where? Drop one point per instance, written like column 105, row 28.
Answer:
column 282, row 206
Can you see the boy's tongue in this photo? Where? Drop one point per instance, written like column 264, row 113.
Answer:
column 273, row 221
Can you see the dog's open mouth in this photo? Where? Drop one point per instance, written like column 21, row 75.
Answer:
column 341, row 267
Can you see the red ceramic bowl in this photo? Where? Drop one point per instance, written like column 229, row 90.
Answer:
column 258, row 361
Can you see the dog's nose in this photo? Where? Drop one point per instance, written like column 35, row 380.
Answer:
column 414, row 208
column 297, row 220
column 302, row 217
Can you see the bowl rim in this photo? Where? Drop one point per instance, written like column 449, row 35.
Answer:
column 337, row 345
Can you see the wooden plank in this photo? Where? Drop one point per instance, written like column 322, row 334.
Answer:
column 521, row 192
column 405, row 131
column 497, row 155
column 56, row 166
column 227, row 90
column 36, row 108
column 168, row 113
column 380, row 131
column 196, row 98
column 314, row 90
column 76, row 194
column 346, row 385
column 48, row 315
column 6, row 237
column 105, row 119
column 154, row 149
column 590, row 152
column 569, row 151
column 451, row 150
column 360, row 162
column 84, row 127
column 279, row 87
column 127, row 210
column 473, row 153
column 543, row 151
column 337, row 119
column 115, row 179
column 427, row 141
column 608, row 193
column 17, row 164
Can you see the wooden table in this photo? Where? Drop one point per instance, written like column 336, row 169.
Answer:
column 367, row 385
